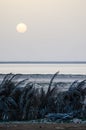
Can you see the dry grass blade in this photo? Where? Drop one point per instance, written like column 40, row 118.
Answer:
column 73, row 85
column 81, row 84
column 6, row 79
column 50, row 84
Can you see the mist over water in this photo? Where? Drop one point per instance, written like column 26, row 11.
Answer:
column 43, row 68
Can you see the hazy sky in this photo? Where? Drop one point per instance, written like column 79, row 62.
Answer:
column 56, row 30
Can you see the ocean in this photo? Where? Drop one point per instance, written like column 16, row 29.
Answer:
column 43, row 68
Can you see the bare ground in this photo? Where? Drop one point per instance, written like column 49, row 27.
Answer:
column 41, row 126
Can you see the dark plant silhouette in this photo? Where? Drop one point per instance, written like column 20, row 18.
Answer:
column 25, row 100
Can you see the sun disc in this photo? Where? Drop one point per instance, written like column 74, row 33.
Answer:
column 21, row 28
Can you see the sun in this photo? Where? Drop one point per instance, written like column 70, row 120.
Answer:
column 21, row 28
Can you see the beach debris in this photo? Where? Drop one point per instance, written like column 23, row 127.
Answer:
column 62, row 116
column 76, row 120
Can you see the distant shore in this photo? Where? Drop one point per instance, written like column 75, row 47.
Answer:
column 59, row 77
column 41, row 77
column 62, row 80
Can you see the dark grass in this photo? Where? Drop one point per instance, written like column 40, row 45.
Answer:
column 29, row 102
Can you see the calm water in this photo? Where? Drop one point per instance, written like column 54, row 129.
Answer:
column 43, row 68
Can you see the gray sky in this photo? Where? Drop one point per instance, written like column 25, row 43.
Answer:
column 56, row 30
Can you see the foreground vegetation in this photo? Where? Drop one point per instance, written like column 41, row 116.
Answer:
column 22, row 101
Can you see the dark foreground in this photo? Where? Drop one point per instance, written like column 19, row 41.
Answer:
column 41, row 126
column 25, row 100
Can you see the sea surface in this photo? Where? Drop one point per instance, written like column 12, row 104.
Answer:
column 43, row 68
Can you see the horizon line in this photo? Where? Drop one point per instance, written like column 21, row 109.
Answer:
column 42, row 62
